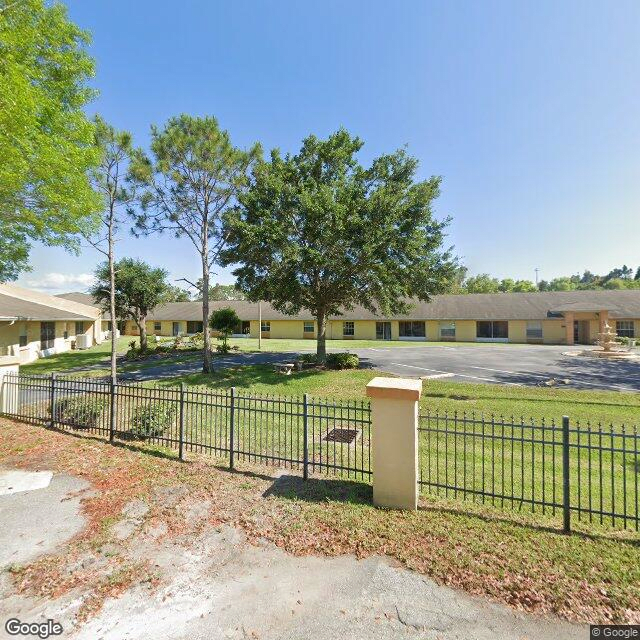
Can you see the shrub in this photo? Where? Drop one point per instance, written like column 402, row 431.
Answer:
column 81, row 413
column 309, row 358
column 151, row 420
column 343, row 361
column 223, row 348
column 196, row 341
column 178, row 343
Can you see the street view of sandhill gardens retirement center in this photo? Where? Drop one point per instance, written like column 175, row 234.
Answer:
column 319, row 320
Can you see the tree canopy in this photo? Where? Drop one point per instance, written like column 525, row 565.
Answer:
column 318, row 231
column 192, row 176
column 46, row 140
column 224, row 321
column 139, row 288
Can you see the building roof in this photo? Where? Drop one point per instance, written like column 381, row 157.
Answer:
column 17, row 303
column 474, row 306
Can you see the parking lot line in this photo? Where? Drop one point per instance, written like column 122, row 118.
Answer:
column 538, row 375
column 457, row 375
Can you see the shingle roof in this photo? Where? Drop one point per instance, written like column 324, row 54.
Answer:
column 475, row 306
column 19, row 303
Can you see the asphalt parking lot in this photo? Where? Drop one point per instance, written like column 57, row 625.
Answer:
column 508, row 364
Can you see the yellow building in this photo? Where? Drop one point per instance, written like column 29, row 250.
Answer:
column 557, row 317
column 33, row 324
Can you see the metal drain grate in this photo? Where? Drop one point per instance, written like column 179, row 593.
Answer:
column 343, row 436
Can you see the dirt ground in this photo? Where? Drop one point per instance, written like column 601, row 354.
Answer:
column 132, row 545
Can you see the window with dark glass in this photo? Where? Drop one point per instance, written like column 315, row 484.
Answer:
column 265, row 327
column 308, row 327
column 625, row 328
column 447, row 329
column 412, row 330
column 193, row 326
column 157, row 326
column 492, row 329
column 79, row 328
column 348, row 329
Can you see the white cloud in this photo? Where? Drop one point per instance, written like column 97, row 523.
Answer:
column 62, row 282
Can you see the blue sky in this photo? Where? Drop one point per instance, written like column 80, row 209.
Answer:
column 528, row 110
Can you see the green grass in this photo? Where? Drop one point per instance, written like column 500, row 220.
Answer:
column 92, row 357
column 438, row 395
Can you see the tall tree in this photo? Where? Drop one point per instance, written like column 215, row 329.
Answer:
column 176, row 294
column 318, row 231
column 193, row 175
column 221, row 291
column 46, row 140
column 139, row 288
column 482, row 283
column 109, row 180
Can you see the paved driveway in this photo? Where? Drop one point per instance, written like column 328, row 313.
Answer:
column 217, row 586
column 506, row 364
column 494, row 364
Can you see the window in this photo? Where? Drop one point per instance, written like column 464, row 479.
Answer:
column 383, row 331
column 308, row 327
column 79, row 328
column 22, row 339
column 47, row 335
column 157, row 326
column 265, row 327
column 447, row 329
column 534, row 330
column 625, row 328
column 348, row 329
column 492, row 329
column 412, row 330
column 193, row 326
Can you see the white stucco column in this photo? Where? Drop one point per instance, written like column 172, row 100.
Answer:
column 394, row 438
column 8, row 393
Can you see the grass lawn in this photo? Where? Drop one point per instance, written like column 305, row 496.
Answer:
column 438, row 395
column 586, row 578
column 77, row 359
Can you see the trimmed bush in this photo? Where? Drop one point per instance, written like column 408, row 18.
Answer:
column 151, row 420
column 81, row 412
column 343, row 361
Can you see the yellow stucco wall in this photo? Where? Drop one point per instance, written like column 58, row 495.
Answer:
column 517, row 330
column 553, row 331
column 10, row 337
column 465, row 331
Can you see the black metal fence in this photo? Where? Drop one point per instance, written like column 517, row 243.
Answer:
column 588, row 471
column 314, row 435
column 568, row 470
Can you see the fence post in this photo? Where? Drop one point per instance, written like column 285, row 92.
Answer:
column 112, row 410
column 52, row 400
column 394, row 422
column 232, row 427
column 305, row 436
column 566, row 484
column 9, row 384
column 181, row 436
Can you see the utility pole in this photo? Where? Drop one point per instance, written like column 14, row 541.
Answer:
column 259, row 325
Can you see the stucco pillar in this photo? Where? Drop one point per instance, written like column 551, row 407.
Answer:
column 603, row 318
column 394, row 438
column 568, row 326
column 8, row 393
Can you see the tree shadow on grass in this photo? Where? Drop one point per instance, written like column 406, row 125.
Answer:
column 244, row 377
column 320, row 490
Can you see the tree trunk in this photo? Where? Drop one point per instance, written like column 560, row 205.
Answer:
column 321, row 349
column 142, row 325
column 112, row 299
column 206, row 362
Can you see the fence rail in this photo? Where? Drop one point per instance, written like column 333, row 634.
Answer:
column 315, row 435
column 568, row 470
column 590, row 471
